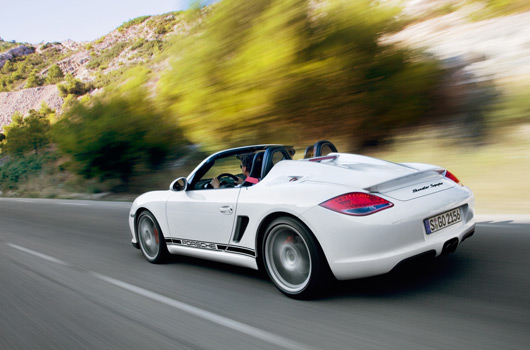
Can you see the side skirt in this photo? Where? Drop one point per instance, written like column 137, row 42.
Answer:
column 233, row 255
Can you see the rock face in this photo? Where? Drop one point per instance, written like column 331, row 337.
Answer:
column 18, row 51
column 25, row 100
column 495, row 49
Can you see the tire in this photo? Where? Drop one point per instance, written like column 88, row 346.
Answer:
column 151, row 239
column 294, row 260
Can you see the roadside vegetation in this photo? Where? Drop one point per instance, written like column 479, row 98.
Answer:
column 248, row 72
column 6, row 45
column 262, row 69
column 25, row 71
column 116, row 138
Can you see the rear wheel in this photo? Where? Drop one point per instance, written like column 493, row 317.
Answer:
column 151, row 239
column 293, row 259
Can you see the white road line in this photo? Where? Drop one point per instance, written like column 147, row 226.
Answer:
column 210, row 316
column 207, row 315
column 40, row 255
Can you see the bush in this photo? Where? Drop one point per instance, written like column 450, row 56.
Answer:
column 18, row 169
column 512, row 107
column 107, row 56
column 116, row 138
column 73, row 87
column 34, row 80
column 276, row 71
column 132, row 22
column 29, row 133
column 55, row 75
column 26, row 67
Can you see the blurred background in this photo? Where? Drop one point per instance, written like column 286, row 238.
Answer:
column 433, row 81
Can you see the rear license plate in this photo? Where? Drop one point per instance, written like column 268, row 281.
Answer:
column 441, row 221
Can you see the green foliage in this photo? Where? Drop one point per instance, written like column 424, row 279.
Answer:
column 145, row 50
column 138, row 44
column 28, row 133
column 8, row 67
column 6, row 45
column 133, row 22
column 34, row 80
column 164, row 23
column 511, row 107
column 104, row 58
column 2, row 142
column 17, row 70
column 48, row 45
column 68, row 102
column 9, row 74
column 4, row 84
column 55, row 75
column 275, row 70
column 73, row 86
column 18, row 169
column 116, row 138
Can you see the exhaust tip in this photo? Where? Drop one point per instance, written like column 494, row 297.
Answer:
column 450, row 246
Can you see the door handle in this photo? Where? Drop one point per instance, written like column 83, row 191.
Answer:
column 226, row 209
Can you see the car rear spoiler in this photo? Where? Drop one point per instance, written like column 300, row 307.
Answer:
column 405, row 180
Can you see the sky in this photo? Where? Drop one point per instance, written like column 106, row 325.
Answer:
column 35, row 21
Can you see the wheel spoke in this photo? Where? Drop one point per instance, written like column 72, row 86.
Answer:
column 148, row 235
column 288, row 258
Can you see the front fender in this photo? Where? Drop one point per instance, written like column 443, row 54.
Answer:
column 155, row 202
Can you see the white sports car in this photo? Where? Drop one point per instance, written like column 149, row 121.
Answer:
column 303, row 221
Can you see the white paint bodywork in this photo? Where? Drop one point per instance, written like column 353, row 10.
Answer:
column 354, row 246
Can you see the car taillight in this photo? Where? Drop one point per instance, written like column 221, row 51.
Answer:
column 357, row 204
column 450, row 176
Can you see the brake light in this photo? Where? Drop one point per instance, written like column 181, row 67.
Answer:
column 357, row 204
column 450, row 176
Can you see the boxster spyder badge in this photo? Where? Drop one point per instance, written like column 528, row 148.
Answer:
column 329, row 215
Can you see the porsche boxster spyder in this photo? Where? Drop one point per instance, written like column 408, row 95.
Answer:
column 303, row 222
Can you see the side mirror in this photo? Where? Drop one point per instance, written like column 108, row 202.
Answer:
column 179, row 184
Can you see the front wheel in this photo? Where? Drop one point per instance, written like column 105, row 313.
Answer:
column 151, row 239
column 293, row 259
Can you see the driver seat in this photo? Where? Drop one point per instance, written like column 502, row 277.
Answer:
column 255, row 172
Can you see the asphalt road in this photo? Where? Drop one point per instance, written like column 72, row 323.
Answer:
column 70, row 279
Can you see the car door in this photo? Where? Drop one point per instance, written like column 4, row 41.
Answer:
column 202, row 215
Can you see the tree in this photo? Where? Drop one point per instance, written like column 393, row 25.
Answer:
column 34, row 80
column 28, row 133
column 73, row 86
column 8, row 67
column 2, row 139
column 116, row 138
column 287, row 71
column 55, row 75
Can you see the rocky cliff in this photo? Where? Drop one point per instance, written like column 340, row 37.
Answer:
column 18, row 51
column 25, row 100
column 75, row 57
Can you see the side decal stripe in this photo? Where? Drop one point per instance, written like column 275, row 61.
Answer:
column 211, row 246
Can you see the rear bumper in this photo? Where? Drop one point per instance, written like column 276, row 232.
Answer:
column 377, row 265
column 357, row 247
